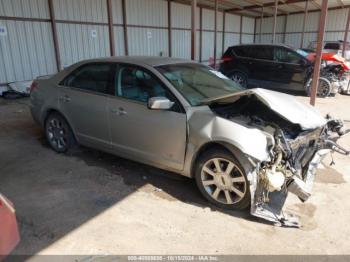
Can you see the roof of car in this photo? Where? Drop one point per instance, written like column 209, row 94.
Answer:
column 262, row 44
column 141, row 60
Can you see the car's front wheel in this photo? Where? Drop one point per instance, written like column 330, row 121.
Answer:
column 239, row 78
column 58, row 133
column 222, row 180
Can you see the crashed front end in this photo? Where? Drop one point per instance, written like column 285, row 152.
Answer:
column 297, row 144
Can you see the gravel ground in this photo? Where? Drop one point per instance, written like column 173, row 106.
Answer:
column 95, row 203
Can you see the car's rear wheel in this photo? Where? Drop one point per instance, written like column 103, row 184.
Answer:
column 222, row 180
column 239, row 78
column 58, row 133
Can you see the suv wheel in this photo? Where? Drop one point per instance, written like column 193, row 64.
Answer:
column 239, row 78
column 58, row 133
column 222, row 180
column 324, row 87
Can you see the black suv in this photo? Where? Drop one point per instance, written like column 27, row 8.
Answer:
column 267, row 66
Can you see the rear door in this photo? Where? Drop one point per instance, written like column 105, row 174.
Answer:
column 262, row 65
column 156, row 137
column 84, row 102
column 290, row 69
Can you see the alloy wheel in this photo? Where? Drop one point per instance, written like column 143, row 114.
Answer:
column 223, row 181
column 57, row 134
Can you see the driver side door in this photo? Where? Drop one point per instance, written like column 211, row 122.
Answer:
column 156, row 137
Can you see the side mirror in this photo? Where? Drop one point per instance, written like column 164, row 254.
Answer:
column 159, row 103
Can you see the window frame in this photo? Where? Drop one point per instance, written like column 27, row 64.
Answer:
column 120, row 65
column 112, row 65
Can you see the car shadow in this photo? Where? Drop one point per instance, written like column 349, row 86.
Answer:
column 55, row 194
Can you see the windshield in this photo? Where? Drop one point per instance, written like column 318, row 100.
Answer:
column 302, row 52
column 197, row 82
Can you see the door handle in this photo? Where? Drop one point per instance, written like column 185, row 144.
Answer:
column 65, row 98
column 120, row 111
column 280, row 66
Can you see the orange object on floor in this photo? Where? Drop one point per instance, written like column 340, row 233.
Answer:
column 9, row 235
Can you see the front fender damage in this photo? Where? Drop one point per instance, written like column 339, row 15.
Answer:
column 272, row 181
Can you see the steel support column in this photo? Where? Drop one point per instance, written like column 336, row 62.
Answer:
column 240, row 29
column 169, row 30
column 304, row 24
column 285, row 28
column 261, row 23
column 193, row 29
column 223, row 31
column 215, row 31
column 317, row 65
column 110, row 28
column 200, row 32
column 125, row 29
column 346, row 33
column 54, row 35
column 274, row 22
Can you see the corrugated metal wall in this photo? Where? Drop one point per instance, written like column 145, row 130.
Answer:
column 27, row 50
column 81, row 41
column 335, row 28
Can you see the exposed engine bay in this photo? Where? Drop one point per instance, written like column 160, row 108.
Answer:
column 294, row 154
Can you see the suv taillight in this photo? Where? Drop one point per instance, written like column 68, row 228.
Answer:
column 33, row 86
column 226, row 59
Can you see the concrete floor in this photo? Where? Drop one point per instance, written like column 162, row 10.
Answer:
column 96, row 203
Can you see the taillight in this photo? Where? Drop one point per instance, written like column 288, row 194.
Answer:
column 226, row 59
column 33, row 86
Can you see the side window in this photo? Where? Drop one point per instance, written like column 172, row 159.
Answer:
column 263, row 53
column 137, row 84
column 286, row 56
column 92, row 77
column 242, row 51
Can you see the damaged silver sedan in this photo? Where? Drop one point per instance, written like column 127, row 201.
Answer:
column 243, row 147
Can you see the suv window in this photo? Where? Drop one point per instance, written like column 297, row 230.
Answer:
column 284, row 55
column 334, row 46
column 242, row 51
column 262, row 52
column 97, row 77
column 137, row 84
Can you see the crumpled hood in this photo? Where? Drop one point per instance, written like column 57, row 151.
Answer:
column 285, row 105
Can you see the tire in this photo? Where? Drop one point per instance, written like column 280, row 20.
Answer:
column 239, row 78
column 218, row 188
column 59, row 134
column 324, row 88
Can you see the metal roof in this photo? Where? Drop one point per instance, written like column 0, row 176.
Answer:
column 254, row 8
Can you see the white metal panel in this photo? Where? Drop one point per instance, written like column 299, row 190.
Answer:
column 150, row 12
column 219, row 46
column 118, row 33
column 25, row 8
column 220, row 21
column 247, row 39
column 26, row 51
column 231, row 39
column 336, row 19
column 208, row 19
column 78, row 43
column 117, row 11
column 232, row 23
column 248, row 25
column 148, row 41
column 207, row 45
column 81, row 10
column 181, row 45
column 312, row 23
column 181, row 15
column 295, row 23
column 293, row 40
